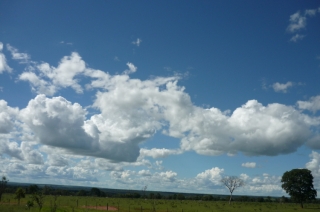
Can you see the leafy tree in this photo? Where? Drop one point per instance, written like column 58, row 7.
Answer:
column 29, row 204
column 3, row 185
column 20, row 193
column 207, row 197
column 298, row 183
column 82, row 193
column 38, row 197
column 95, row 192
column 47, row 190
column 232, row 183
column 284, row 199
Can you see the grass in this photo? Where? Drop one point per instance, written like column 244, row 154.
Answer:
column 78, row 204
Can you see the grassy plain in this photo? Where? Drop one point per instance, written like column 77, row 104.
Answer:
column 81, row 204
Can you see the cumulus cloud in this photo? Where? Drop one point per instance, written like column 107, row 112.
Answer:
column 313, row 104
column 314, row 166
column 57, row 122
column 144, row 173
column 249, row 165
column 129, row 111
column 210, row 177
column 7, row 117
column 11, row 149
column 3, row 61
column 16, row 55
column 279, row 87
column 253, row 129
column 49, row 79
column 168, row 176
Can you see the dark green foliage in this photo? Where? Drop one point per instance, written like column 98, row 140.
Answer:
column 3, row 185
column 29, row 204
column 298, row 183
column 32, row 189
column 20, row 193
column 95, row 192
column 39, row 199
column 82, row 193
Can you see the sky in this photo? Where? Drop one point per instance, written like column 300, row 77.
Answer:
column 172, row 95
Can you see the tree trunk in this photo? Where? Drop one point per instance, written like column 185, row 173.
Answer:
column 301, row 204
column 230, row 198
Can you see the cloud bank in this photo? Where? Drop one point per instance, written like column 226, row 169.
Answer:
column 129, row 111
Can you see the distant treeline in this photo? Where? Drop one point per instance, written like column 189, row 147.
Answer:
column 96, row 192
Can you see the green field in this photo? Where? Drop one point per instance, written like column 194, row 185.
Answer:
column 82, row 204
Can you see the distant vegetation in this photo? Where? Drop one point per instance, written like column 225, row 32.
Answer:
column 43, row 198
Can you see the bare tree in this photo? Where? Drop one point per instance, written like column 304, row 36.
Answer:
column 3, row 185
column 144, row 191
column 232, row 182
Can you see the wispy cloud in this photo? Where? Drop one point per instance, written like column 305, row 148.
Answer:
column 137, row 42
column 313, row 104
column 298, row 21
column 16, row 55
column 278, row 87
column 296, row 38
column 67, row 43
column 3, row 61
column 249, row 165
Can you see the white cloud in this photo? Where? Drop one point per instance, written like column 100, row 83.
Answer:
column 144, row 173
column 50, row 79
column 297, row 22
column 210, row 177
column 131, row 70
column 16, row 55
column 57, row 160
column 10, row 148
column 137, row 42
column 296, row 38
column 129, row 111
column 31, row 155
column 7, row 117
column 313, row 104
column 3, row 61
column 278, row 87
column 57, row 122
column 249, row 165
column 168, row 176
column 314, row 166
column 38, row 85
column 252, row 129
column 159, row 153
column 311, row 12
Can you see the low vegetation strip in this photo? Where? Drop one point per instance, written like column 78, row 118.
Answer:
column 87, row 204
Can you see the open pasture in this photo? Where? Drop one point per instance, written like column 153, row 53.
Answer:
column 84, row 204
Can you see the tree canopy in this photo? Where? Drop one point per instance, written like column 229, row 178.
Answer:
column 20, row 193
column 298, row 183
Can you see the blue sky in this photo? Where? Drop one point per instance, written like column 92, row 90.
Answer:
column 172, row 95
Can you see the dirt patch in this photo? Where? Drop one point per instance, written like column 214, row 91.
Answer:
column 110, row 208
